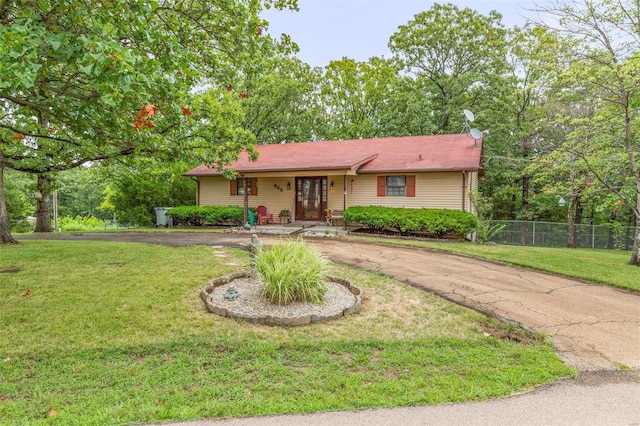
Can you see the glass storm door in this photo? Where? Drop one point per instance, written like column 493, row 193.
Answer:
column 311, row 194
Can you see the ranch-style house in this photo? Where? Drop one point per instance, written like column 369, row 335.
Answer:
column 307, row 178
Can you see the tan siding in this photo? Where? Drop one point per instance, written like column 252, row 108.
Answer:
column 214, row 191
column 335, row 197
column 433, row 190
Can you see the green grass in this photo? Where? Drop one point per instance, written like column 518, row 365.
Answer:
column 116, row 333
column 608, row 267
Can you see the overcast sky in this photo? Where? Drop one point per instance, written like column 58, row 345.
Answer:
column 327, row 30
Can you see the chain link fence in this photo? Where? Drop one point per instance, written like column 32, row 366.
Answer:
column 551, row 234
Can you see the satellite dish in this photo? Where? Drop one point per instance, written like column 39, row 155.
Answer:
column 469, row 115
column 476, row 134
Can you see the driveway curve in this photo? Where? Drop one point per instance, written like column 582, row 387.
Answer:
column 593, row 327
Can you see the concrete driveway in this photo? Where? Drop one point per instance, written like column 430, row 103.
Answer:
column 593, row 327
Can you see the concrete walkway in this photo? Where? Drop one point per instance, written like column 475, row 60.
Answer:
column 596, row 329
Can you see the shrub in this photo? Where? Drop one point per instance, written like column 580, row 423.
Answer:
column 438, row 222
column 80, row 224
column 212, row 215
column 292, row 271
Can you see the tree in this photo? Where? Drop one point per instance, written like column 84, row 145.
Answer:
column 81, row 82
column 137, row 186
column 533, row 57
column 355, row 97
column 460, row 54
column 606, row 70
column 281, row 102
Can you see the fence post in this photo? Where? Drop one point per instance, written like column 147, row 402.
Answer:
column 534, row 235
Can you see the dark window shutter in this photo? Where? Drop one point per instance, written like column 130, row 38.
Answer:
column 233, row 187
column 411, row 186
column 382, row 186
column 254, row 186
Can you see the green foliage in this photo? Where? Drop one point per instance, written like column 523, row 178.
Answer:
column 80, row 192
column 211, row 215
column 80, row 83
column 19, row 204
column 135, row 191
column 438, row 222
column 483, row 207
column 459, row 52
column 80, row 224
column 292, row 272
column 282, row 103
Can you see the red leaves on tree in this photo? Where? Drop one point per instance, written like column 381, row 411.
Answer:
column 149, row 110
column 17, row 137
column 229, row 88
column 142, row 120
column 259, row 31
column 244, row 94
column 52, row 129
column 186, row 112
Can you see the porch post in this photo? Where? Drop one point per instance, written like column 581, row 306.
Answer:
column 246, row 201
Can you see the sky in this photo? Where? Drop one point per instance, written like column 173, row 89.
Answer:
column 327, row 30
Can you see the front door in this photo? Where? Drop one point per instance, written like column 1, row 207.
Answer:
column 311, row 198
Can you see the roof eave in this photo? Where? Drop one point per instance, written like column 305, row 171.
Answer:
column 429, row 170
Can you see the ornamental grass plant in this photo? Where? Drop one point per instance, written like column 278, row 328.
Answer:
column 292, row 271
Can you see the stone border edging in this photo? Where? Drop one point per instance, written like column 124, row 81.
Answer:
column 278, row 320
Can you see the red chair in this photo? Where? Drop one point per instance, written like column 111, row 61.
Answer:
column 263, row 216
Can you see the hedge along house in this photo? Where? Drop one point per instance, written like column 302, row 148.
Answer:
column 307, row 178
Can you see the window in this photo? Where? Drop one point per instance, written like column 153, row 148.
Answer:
column 240, row 186
column 237, row 186
column 396, row 186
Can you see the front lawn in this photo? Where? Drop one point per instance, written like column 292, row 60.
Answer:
column 98, row 333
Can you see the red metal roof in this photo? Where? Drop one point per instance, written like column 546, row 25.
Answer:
column 384, row 155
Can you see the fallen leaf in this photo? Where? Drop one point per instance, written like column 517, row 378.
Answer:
column 52, row 412
column 25, row 293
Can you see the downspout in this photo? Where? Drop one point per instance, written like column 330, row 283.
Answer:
column 197, row 190
column 246, row 201
column 464, row 190
column 344, row 193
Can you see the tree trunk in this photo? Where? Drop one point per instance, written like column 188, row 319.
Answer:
column 43, row 203
column 635, row 255
column 525, row 210
column 5, row 231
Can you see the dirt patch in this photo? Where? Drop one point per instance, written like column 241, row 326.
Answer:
column 508, row 331
column 10, row 271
